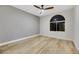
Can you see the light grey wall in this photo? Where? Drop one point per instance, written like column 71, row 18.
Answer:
column 76, row 27
column 45, row 25
column 15, row 24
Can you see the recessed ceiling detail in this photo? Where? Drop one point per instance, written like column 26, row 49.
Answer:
column 36, row 11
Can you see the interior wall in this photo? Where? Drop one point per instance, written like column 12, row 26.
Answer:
column 45, row 25
column 16, row 24
column 76, row 27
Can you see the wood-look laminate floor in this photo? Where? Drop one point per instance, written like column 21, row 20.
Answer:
column 40, row 45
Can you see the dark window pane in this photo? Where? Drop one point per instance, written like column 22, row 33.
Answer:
column 52, row 26
column 57, row 18
column 61, row 26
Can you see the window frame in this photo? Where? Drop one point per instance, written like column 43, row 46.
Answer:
column 61, row 21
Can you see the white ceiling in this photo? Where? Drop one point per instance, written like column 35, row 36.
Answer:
column 31, row 9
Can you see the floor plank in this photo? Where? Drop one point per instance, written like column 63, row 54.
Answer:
column 40, row 45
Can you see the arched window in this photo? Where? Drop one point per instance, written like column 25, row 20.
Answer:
column 57, row 23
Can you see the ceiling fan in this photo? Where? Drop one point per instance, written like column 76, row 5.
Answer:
column 43, row 8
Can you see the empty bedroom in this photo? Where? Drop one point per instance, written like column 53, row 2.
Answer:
column 39, row 29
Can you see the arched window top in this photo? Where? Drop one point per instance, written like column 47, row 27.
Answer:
column 57, row 18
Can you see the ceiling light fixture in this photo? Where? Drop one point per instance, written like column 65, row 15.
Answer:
column 42, row 11
column 42, row 8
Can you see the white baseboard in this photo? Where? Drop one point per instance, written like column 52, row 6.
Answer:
column 76, row 45
column 57, row 37
column 4, row 43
